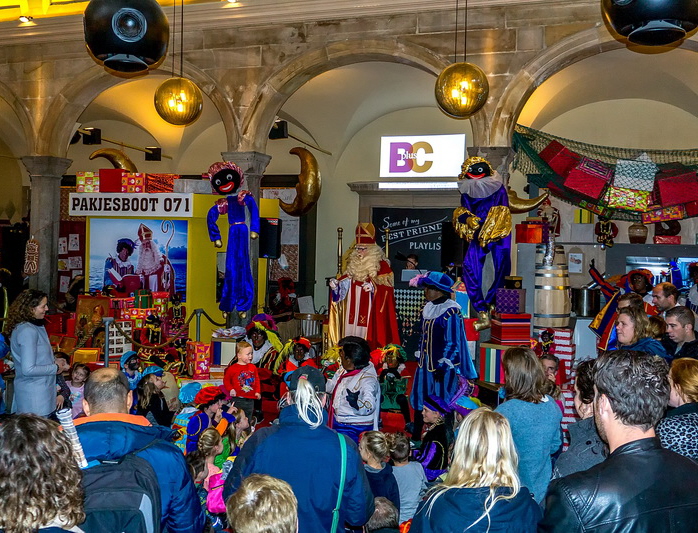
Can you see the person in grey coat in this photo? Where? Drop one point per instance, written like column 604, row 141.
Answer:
column 35, row 368
column 586, row 447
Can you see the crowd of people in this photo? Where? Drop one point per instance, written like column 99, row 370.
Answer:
column 202, row 460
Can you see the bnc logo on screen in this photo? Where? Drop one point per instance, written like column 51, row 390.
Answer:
column 403, row 157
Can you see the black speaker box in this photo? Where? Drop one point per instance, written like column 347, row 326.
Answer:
column 452, row 246
column 270, row 238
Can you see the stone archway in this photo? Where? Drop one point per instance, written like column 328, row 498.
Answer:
column 579, row 46
column 272, row 94
column 72, row 100
column 22, row 118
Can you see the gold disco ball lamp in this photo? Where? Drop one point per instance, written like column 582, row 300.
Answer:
column 461, row 90
column 179, row 101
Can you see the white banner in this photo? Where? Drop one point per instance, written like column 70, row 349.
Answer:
column 115, row 204
column 422, row 156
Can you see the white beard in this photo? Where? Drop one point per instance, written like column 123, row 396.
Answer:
column 148, row 258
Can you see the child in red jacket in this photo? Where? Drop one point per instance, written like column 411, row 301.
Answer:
column 241, row 379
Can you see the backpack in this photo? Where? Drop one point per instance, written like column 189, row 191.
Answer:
column 122, row 496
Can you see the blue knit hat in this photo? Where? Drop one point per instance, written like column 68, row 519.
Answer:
column 126, row 356
column 153, row 370
column 189, row 392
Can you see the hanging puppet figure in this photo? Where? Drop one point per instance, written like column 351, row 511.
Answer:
column 484, row 221
column 238, row 289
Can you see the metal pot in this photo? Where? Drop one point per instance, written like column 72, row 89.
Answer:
column 586, row 302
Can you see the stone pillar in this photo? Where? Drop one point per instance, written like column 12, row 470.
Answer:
column 253, row 165
column 45, row 173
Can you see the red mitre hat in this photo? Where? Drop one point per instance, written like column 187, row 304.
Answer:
column 144, row 232
column 365, row 233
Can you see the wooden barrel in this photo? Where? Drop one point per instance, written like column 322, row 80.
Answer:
column 559, row 257
column 552, row 305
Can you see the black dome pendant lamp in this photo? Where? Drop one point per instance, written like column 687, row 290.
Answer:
column 126, row 36
column 651, row 22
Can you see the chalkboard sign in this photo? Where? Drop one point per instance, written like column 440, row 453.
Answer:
column 412, row 231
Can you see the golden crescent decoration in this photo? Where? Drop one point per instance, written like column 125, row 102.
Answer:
column 524, row 205
column 116, row 157
column 308, row 187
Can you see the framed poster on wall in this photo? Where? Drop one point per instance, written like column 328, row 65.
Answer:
column 157, row 260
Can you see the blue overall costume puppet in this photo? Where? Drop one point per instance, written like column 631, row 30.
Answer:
column 238, row 288
column 443, row 354
column 484, row 221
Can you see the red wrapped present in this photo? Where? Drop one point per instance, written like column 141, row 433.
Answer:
column 593, row 167
column 559, row 158
column 133, row 183
column 471, row 333
column 667, row 239
column 56, row 324
column 675, row 188
column 586, row 184
column 675, row 212
column 155, row 183
column 691, row 209
column 629, row 199
column 532, row 233
column 110, row 179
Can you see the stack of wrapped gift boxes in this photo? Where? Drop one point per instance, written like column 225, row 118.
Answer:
column 510, row 327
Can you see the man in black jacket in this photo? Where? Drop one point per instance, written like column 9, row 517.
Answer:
column 681, row 337
column 640, row 486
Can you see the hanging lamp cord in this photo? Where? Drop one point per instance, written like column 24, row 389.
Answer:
column 174, row 36
column 181, row 40
column 465, row 35
column 455, row 38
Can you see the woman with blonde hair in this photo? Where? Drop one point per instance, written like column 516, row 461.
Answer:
column 40, row 481
column 481, row 491
column 534, row 418
column 635, row 332
column 678, row 429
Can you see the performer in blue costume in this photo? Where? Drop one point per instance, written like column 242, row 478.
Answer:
column 444, row 356
column 238, row 288
column 484, row 221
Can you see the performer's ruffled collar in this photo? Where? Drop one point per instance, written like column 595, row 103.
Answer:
column 481, row 188
column 432, row 311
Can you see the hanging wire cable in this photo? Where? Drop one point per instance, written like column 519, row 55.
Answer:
column 465, row 35
column 174, row 36
column 181, row 40
column 455, row 38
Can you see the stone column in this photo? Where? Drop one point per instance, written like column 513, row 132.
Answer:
column 500, row 157
column 45, row 173
column 253, row 165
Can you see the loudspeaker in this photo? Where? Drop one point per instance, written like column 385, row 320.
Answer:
column 651, row 22
column 126, row 35
column 270, row 238
column 154, row 153
column 93, row 136
column 279, row 130
column 452, row 246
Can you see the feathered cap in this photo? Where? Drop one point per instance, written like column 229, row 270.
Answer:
column 272, row 335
